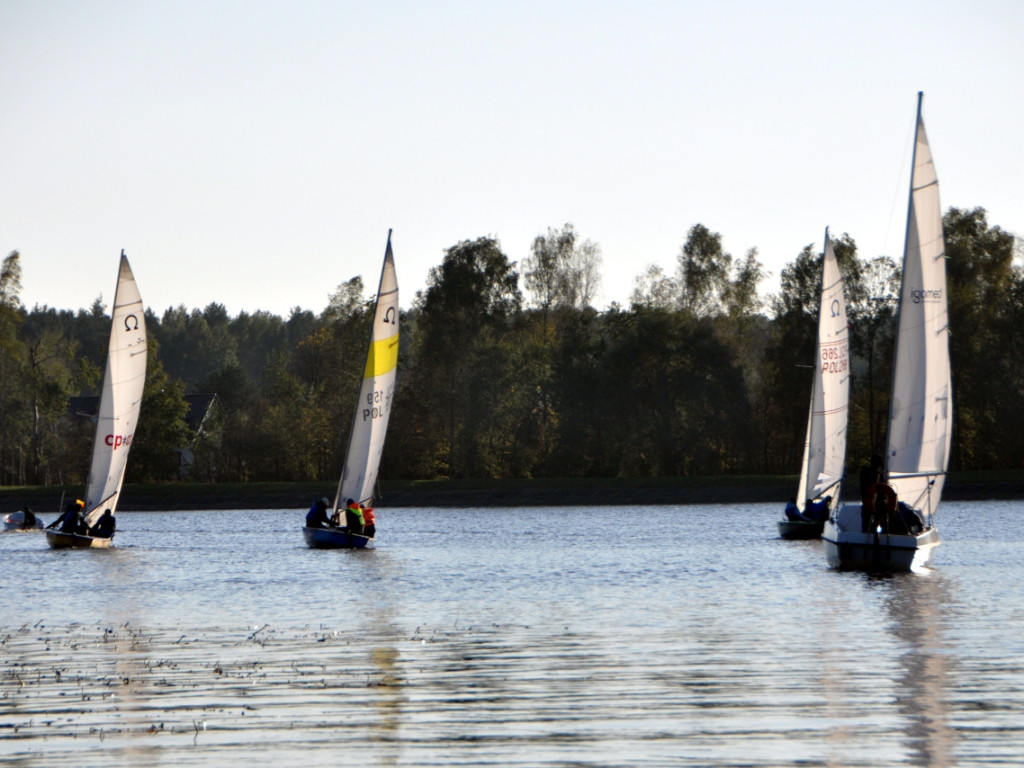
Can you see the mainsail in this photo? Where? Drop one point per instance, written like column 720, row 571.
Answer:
column 825, row 447
column 920, row 414
column 373, row 407
column 120, row 397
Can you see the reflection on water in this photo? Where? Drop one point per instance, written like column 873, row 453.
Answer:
column 217, row 638
column 385, row 660
column 916, row 604
column 120, row 690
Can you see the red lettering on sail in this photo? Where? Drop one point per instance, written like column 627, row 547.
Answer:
column 116, row 441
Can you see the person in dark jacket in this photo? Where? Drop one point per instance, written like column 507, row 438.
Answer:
column 317, row 515
column 817, row 511
column 71, row 521
column 793, row 511
column 28, row 519
column 105, row 526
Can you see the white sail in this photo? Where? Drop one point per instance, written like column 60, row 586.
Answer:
column 120, row 397
column 373, row 407
column 825, row 447
column 920, row 414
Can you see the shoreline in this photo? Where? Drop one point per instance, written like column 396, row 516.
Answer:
column 476, row 494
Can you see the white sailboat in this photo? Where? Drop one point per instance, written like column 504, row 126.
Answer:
column 893, row 528
column 22, row 520
column 120, row 401
column 370, row 419
column 821, row 474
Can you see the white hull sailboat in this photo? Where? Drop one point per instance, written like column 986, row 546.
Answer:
column 124, row 378
column 370, row 419
column 893, row 528
column 821, row 474
column 16, row 521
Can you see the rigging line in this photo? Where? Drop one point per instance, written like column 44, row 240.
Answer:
column 896, row 192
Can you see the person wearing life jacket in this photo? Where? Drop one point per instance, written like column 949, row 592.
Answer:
column 369, row 522
column 870, row 476
column 353, row 516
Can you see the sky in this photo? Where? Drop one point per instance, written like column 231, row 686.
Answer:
column 255, row 154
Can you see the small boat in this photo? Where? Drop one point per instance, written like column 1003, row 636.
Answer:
column 22, row 520
column 370, row 418
column 124, row 378
column 893, row 528
column 821, row 474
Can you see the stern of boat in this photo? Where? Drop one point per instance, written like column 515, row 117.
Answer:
column 847, row 547
column 798, row 529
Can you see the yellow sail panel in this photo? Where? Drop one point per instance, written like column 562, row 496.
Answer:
column 383, row 357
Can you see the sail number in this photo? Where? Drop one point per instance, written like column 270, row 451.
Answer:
column 118, row 441
column 834, row 359
column 378, row 404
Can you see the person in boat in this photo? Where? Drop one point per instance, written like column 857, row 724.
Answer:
column 105, row 526
column 906, row 521
column 369, row 522
column 317, row 515
column 793, row 511
column 71, row 521
column 817, row 511
column 353, row 516
column 81, row 527
column 28, row 518
column 870, row 475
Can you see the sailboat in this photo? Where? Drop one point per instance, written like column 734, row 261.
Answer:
column 22, row 520
column 821, row 475
column 370, row 418
column 893, row 528
column 124, row 378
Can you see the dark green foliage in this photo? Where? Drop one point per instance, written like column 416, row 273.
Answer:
column 162, row 432
column 462, row 321
column 703, row 271
column 984, row 321
column 693, row 379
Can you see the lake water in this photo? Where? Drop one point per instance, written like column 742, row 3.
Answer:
column 653, row 636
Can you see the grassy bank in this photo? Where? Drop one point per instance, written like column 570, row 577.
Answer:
column 489, row 493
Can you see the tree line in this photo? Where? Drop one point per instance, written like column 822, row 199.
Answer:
column 507, row 371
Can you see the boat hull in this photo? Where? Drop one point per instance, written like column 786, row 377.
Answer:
column 800, row 529
column 848, row 548
column 333, row 538
column 16, row 522
column 61, row 540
